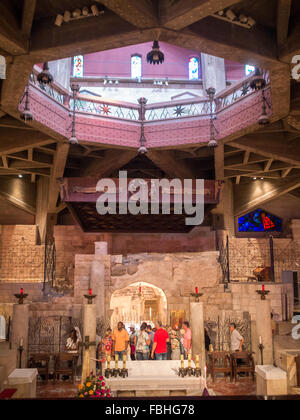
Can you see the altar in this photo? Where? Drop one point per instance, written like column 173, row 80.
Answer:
column 155, row 378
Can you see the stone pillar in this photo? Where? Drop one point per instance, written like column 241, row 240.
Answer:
column 61, row 71
column 197, row 326
column 264, row 330
column 213, row 72
column 20, row 324
column 98, row 278
column 89, row 329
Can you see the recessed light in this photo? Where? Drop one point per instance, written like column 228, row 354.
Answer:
column 20, row 176
column 255, row 177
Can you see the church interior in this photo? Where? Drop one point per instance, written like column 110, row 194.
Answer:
column 150, row 90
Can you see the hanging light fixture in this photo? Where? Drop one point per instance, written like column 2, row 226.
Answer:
column 258, row 81
column 142, row 149
column 264, row 118
column 211, row 93
column 155, row 56
column 26, row 115
column 45, row 76
column 73, row 138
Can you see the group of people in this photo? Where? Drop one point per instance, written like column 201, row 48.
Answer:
column 158, row 343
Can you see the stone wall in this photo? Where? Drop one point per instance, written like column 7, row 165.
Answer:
column 71, row 241
column 245, row 254
column 21, row 260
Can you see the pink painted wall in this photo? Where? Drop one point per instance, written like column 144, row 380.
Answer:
column 234, row 71
column 116, row 63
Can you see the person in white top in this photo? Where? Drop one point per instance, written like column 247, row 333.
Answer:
column 72, row 343
column 236, row 339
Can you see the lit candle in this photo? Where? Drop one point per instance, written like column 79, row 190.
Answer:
column 205, row 371
column 150, row 312
column 116, row 361
column 90, row 292
column 181, row 361
column 21, row 342
column 124, row 361
column 140, row 288
column 263, row 287
column 197, row 361
column 196, row 290
column 189, row 361
column 260, row 339
column 21, row 291
column 108, row 362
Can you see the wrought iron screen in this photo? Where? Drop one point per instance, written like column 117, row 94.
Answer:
column 49, row 334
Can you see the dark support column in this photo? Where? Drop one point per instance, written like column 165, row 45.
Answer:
column 272, row 258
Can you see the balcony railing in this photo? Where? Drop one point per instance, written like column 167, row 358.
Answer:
column 153, row 112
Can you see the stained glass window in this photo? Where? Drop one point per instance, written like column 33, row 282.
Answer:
column 136, row 66
column 78, row 66
column 193, row 68
column 249, row 69
column 259, row 221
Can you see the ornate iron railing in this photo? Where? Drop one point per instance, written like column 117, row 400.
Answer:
column 153, row 112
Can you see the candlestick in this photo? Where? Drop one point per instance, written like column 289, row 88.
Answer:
column 90, row 297
column 197, row 361
column 108, row 362
column 260, row 339
column 196, row 290
column 21, row 296
column 21, row 342
column 189, row 361
column 124, row 361
column 263, row 287
column 181, row 361
column 116, row 361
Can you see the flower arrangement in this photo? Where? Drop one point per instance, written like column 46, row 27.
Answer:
column 93, row 387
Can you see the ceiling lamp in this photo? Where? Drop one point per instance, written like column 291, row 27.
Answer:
column 264, row 118
column 45, row 76
column 211, row 93
column 26, row 115
column 73, row 138
column 258, row 81
column 155, row 56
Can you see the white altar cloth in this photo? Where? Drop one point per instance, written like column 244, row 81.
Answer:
column 155, row 375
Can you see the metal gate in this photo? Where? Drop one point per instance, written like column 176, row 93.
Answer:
column 219, row 332
column 49, row 334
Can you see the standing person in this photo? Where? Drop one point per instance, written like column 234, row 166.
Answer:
column 187, row 338
column 120, row 339
column 151, row 336
column 161, row 338
column 72, row 343
column 132, row 342
column 142, row 343
column 236, row 340
column 175, row 345
column 169, row 347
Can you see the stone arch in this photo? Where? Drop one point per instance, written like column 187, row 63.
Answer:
column 138, row 301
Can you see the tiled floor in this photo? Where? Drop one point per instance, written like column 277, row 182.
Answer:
column 221, row 387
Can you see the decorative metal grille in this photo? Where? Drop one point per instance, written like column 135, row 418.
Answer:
column 219, row 332
column 50, row 263
column 49, row 334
